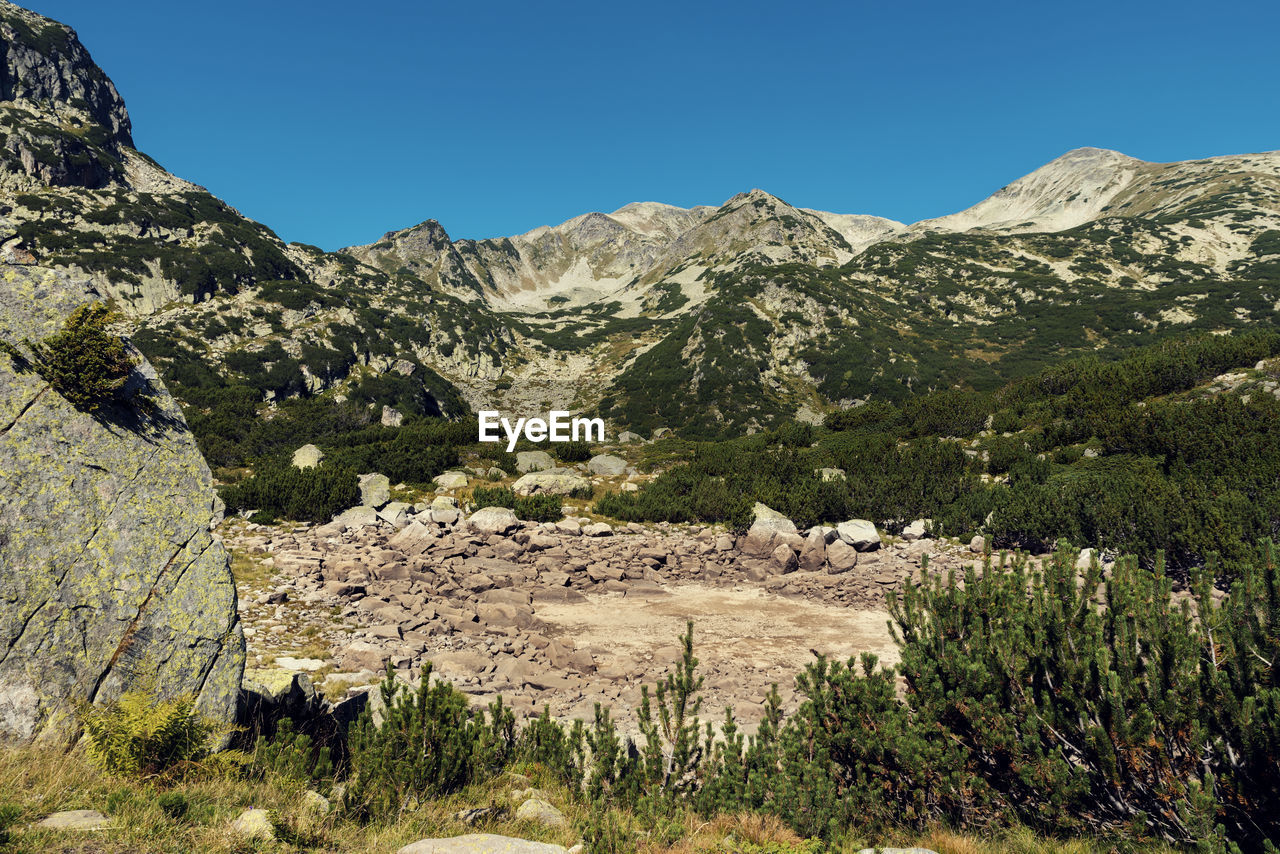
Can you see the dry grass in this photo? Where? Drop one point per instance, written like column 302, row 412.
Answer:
column 43, row 781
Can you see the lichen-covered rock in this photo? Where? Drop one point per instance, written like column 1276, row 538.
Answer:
column 554, row 482
column 480, row 843
column 111, row 574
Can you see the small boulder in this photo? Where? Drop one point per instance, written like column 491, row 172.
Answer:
column 626, row 437
column 607, row 465
column 356, row 517
column 493, row 520
column 538, row 810
column 307, row 457
column 527, row 461
column 481, row 843
column 841, row 557
column 814, row 553
column 1086, row 559
column 784, row 559
column 830, row 474
column 75, row 820
column 396, row 512
column 558, row 482
column 254, row 824
column 392, row 417
column 917, row 530
column 375, row 490
column 978, row 544
column 860, row 534
column 598, row 529
column 451, row 480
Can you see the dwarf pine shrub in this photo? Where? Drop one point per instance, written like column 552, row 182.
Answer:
column 84, row 362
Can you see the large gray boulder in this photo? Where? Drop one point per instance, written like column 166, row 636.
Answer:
column 110, row 572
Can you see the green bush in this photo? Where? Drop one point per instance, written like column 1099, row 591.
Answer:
column 84, row 362
column 571, row 452
column 305, row 495
column 9, row 816
column 429, row 744
column 531, row 508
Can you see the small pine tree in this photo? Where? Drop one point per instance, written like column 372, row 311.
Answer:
column 84, row 362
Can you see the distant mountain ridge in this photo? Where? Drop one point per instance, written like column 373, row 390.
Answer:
column 713, row 321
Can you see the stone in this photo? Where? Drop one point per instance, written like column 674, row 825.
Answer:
column 541, row 812
column 356, row 517
column 558, row 482
column 527, row 461
column 480, row 843
column 841, row 557
column 307, row 457
column 598, row 529
column 569, row 527
column 607, row 465
column 78, row 820
column 451, row 480
column 1086, row 559
column 978, row 544
column 375, row 490
column 626, row 437
column 860, row 534
column 315, row 803
column 763, row 513
column 392, row 417
column 830, row 474
column 661, row 432
column 104, row 541
column 917, row 530
column 784, row 559
column 814, row 553
column 396, row 513
column 493, row 520
column 254, row 824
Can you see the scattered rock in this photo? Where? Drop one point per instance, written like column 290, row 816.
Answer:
column 493, row 520
column 392, row 417
column 375, row 490
column 841, row 557
column 598, row 529
column 607, row 465
column 481, row 843
column 860, row 534
column 917, row 530
column 626, row 437
column 538, row 810
column 1086, row 559
column 315, row 803
column 451, row 480
column 307, row 457
column 356, row 517
column 78, row 820
column 254, row 824
column 978, row 544
column 527, row 461
column 555, row 482
column 831, row 474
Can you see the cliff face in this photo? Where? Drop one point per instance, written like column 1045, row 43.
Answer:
column 110, row 572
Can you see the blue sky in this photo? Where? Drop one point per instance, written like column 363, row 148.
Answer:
column 335, row 122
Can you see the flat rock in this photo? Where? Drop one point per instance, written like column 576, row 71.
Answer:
column 481, row 843
column 538, row 810
column 859, row 533
column 558, row 482
column 451, row 480
column 75, row 820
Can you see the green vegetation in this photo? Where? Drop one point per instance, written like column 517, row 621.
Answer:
column 84, row 362
column 1166, row 470
column 288, row 492
column 531, row 508
column 140, row 735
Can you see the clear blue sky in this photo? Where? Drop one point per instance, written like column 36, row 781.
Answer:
column 334, row 122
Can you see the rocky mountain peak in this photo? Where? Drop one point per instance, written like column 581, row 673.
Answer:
column 1068, row 191
column 47, row 68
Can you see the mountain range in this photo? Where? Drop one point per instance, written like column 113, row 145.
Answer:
column 712, row 320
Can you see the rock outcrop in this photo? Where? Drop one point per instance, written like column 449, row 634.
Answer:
column 111, row 574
